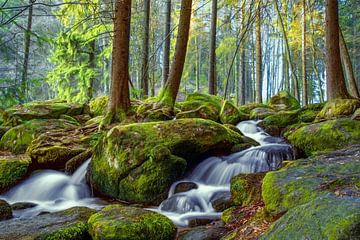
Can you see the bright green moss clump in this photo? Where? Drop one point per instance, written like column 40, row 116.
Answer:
column 12, row 170
column 284, row 101
column 246, row 188
column 78, row 231
column 129, row 223
column 338, row 108
column 230, row 114
column 98, row 106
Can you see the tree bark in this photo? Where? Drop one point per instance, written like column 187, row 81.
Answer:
column 27, row 42
column 119, row 97
column 242, row 59
column 145, row 47
column 92, row 64
column 345, row 56
column 336, row 87
column 166, row 59
column 171, row 88
column 212, row 54
column 258, row 56
column 303, row 56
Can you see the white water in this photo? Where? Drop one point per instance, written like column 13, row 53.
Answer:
column 213, row 175
column 52, row 191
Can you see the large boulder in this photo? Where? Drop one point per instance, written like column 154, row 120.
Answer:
column 5, row 210
column 139, row 162
column 335, row 173
column 18, row 138
column 324, row 136
column 130, row 223
column 322, row 218
column 70, row 224
column 51, row 109
column 275, row 124
column 261, row 113
column 230, row 114
column 12, row 169
column 338, row 108
column 308, row 113
column 98, row 106
column 284, row 101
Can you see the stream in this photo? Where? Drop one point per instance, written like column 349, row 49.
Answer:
column 53, row 191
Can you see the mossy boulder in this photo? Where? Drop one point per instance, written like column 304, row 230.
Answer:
column 139, row 162
column 276, row 123
column 284, row 101
column 51, row 109
column 202, row 111
column 335, row 173
column 338, row 108
column 70, row 224
column 308, row 113
column 98, row 106
column 325, row 217
column 3, row 130
column 130, row 223
column 261, row 113
column 247, row 108
column 324, row 136
column 230, row 114
column 356, row 115
column 18, row 138
column 12, row 169
column 246, row 188
column 5, row 210
column 54, row 148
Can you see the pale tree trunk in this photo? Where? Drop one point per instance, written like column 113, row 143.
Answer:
column 119, row 94
column 344, row 52
column 336, row 87
column 171, row 88
column 27, row 41
column 145, row 47
column 92, row 64
column 258, row 56
column 303, row 56
column 166, row 60
column 241, row 86
column 212, row 56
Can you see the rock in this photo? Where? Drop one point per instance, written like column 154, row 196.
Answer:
column 204, row 233
column 127, row 223
column 22, row 205
column 322, row 218
column 98, row 106
column 261, row 113
column 203, row 112
column 356, row 115
column 246, row 188
column 324, row 136
column 221, row 201
column 338, row 108
column 308, row 113
column 248, row 143
column 304, row 180
column 185, row 186
column 284, row 101
column 18, row 138
column 275, row 124
column 70, row 224
column 54, row 148
column 230, row 114
column 12, row 169
column 5, row 211
column 247, row 108
column 51, row 109
column 74, row 163
column 139, row 162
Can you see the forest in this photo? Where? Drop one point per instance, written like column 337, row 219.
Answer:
column 179, row 119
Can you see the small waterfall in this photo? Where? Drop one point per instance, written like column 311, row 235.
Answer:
column 213, row 175
column 52, row 191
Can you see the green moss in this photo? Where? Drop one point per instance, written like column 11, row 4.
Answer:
column 230, row 114
column 284, row 101
column 279, row 121
column 78, row 231
column 247, row 108
column 12, row 170
column 229, row 215
column 261, row 113
column 129, row 223
column 338, row 108
column 246, row 188
column 69, row 118
column 98, row 106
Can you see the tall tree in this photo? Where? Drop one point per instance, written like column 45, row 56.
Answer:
column 336, row 87
column 242, row 57
column 119, row 95
column 212, row 53
column 145, row 57
column 303, row 55
column 166, row 60
column 171, row 88
column 258, row 55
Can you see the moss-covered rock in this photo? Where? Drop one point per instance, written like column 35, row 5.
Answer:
column 284, row 101
column 129, row 223
column 202, row 111
column 51, row 109
column 18, row 138
column 338, row 108
column 203, row 233
column 12, row 169
column 261, row 113
column 5, row 210
column 276, row 123
column 230, row 114
column 334, row 173
column 246, row 188
column 308, row 113
column 247, row 108
column 322, row 218
column 325, row 136
column 356, row 115
column 3, row 130
column 98, row 106
column 70, row 224
column 139, row 162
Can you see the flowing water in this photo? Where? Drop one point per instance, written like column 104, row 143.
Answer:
column 211, row 178
column 52, row 191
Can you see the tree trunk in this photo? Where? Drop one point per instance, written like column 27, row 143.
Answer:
column 336, row 87
column 145, row 47
column 344, row 52
column 242, row 59
column 303, row 56
column 258, row 56
column 27, row 39
column 212, row 55
column 119, row 97
column 166, row 60
column 171, row 88
column 92, row 64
